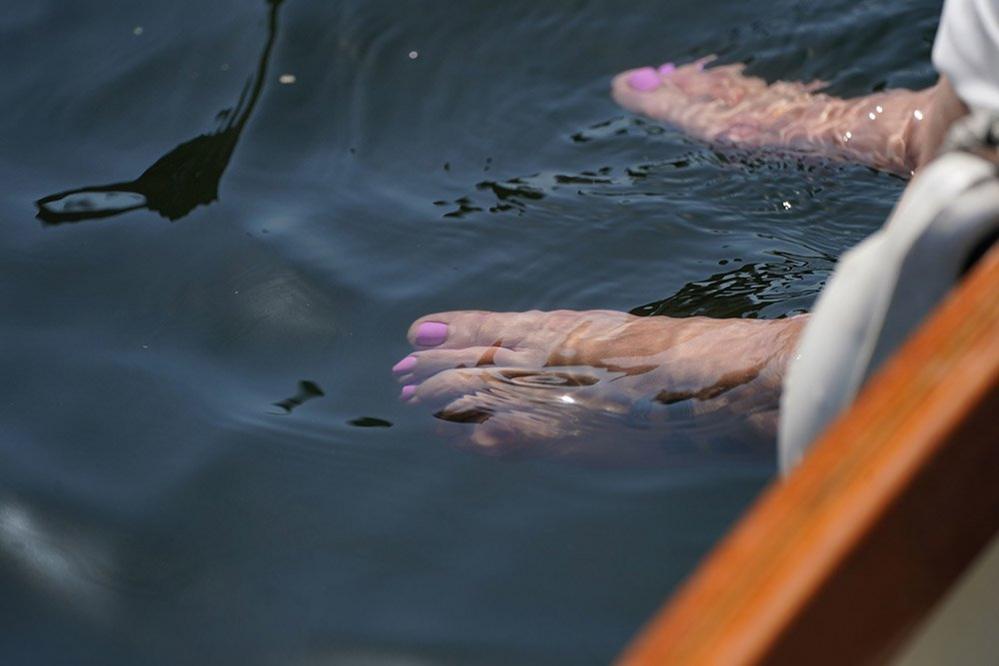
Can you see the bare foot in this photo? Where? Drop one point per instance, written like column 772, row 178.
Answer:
column 547, row 381
column 895, row 130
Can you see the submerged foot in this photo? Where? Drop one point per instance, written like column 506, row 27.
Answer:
column 884, row 130
column 533, row 379
column 715, row 104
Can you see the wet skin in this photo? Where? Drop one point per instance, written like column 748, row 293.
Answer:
column 895, row 130
column 537, row 380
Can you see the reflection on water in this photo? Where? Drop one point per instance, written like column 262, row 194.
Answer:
column 648, row 180
column 306, row 391
column 739, row 292
column 147, row 475
column 513, row 195
column 370, row 422
column 183, row 179
column 60, row 561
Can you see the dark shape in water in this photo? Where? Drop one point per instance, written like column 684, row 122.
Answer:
column 741, row 292
column 306, row 391
column 183, row 179
column 370, row 422
column 473, row 415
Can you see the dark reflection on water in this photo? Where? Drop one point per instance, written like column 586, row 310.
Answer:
column 186, row 177
column 156, row 507
column 370, row 422
column 743, row 291
column 306, row 391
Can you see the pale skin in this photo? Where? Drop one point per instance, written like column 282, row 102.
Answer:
column 895, row 130
column 551, row 381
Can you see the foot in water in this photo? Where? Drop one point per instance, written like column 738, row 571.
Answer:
column 714, row 104
column 895, row 130
column 548, row 382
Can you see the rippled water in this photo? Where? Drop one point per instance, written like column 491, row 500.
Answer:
column 203, row 456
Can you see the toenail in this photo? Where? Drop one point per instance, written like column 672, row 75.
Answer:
column 407, row 391
column 431, row 333
column 666, row 69
column 644, row 79
column 405, row 365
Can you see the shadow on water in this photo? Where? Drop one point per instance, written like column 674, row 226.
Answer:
column 180, row 181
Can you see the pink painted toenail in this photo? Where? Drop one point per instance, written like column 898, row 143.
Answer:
column 666, row 69
column 407, row 392
column 431, row 333
column 644, row 79
column 405, row 365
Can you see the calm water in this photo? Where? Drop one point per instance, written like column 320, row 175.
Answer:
column 158, row 507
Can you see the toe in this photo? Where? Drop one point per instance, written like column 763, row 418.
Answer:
column 429, row 333
column 498, row 429
column 445, row 330
column 444, row 387
column 472, row 328
column 405, row 366
column 625, row 94
column 537, row 332
column 645, row 79
column 511, row 433
column 423, row 364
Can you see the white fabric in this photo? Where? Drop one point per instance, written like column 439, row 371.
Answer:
column 967, row 51
column 881, row 290
column 883, row 287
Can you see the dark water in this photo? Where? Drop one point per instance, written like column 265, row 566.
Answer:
column 203, row 456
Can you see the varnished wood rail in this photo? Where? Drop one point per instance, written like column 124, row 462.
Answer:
column 839, row 562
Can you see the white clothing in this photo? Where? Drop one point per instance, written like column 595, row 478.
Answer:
column 966, row 50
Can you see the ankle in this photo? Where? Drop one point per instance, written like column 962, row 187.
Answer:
column 785, row 347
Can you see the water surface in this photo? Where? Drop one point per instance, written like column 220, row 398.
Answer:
column 203, row 459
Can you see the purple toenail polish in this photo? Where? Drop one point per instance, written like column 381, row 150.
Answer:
column 405, row 365
column 644, row 79
column 666, row 69
column 431, row 333
column 407, row 392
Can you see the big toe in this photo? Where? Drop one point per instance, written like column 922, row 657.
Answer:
column 645, row 91
column 644, row 79
column 472, row 328
column 628, row 88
